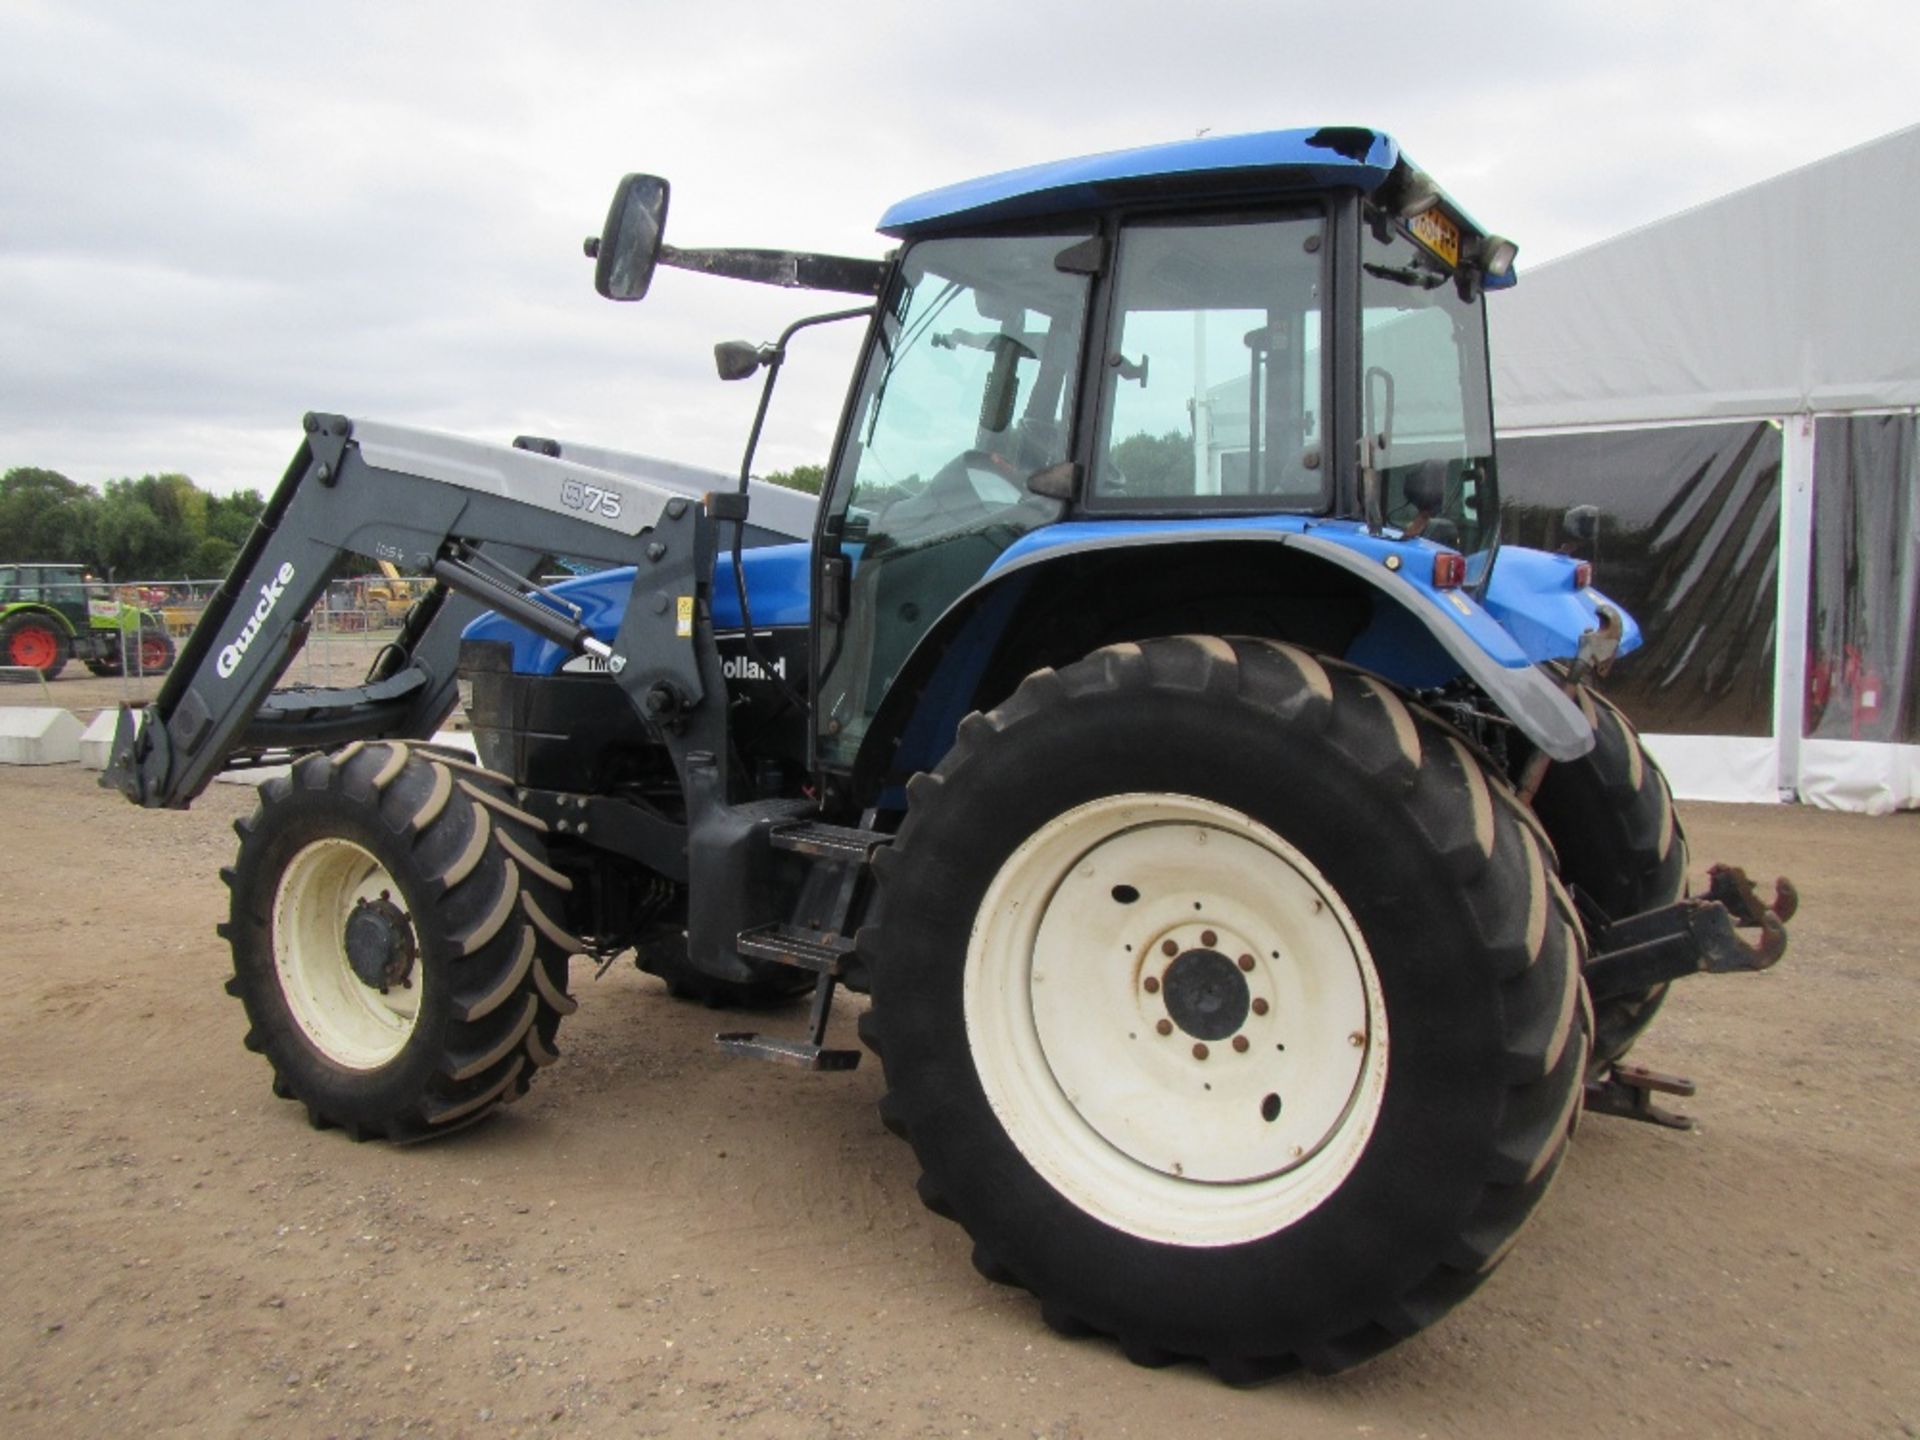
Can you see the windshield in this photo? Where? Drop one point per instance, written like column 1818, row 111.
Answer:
column 1424, row 398
column 967, row 394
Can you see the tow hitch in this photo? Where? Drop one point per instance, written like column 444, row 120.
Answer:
column 1728, row 929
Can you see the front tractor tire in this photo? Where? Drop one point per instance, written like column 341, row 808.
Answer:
column 396, row 938
column 1228, row 1003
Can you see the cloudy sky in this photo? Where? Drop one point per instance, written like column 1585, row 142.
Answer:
column 218, row 214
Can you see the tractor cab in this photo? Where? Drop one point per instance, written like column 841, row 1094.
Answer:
column 1280, row 325
column 1281, row 335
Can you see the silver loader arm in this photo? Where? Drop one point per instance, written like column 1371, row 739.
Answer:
column 479, row 518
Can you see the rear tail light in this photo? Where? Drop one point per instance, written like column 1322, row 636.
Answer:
column 1449, row 570
column 1583, row 575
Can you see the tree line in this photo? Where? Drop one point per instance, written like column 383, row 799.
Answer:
column 158, row 527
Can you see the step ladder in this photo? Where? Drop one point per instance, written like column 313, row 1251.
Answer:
column 818, row 942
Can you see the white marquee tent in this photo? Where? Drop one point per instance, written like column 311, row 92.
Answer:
column 1736, row 388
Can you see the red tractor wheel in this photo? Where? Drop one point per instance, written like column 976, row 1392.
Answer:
column 156, row 652
column 33, row 642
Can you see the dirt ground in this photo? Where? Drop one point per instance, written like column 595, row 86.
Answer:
column 661, row 1240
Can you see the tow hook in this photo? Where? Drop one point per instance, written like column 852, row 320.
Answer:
column 1704, row 934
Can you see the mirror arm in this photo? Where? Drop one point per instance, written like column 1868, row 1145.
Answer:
column 791, row 269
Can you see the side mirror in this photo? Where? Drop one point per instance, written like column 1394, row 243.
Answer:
column 629, row 245
column 737, row 359
column 1581, row 524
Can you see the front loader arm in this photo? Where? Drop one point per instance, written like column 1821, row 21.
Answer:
column 480, row 518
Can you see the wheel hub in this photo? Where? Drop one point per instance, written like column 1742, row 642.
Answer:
column 380, row 944
column 1206, row 995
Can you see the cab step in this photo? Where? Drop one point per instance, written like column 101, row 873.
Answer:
column 807, row 1054
column 804, row 950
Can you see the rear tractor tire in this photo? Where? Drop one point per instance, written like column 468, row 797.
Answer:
column 1227, row 1002
column 33, row 641
column 397, row 941
column 1610, row 816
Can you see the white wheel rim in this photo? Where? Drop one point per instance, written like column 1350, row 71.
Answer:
column 353, row 1024
column 1135, row 1126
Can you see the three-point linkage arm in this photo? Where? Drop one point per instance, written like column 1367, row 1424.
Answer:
column 478, row 517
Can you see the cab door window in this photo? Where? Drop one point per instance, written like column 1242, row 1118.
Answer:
column 1212, row 381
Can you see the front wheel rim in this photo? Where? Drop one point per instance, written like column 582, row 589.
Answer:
column 1176, row 1019
column 351, row 1023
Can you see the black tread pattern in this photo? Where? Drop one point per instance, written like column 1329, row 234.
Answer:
column 1612, row 820
column 1524, row 931
column 482, row 899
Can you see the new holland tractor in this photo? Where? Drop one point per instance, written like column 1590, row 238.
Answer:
column 1247, row 883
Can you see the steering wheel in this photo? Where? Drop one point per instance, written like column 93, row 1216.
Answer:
column 950, row 482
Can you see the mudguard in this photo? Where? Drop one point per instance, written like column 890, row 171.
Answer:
column 1473, row 638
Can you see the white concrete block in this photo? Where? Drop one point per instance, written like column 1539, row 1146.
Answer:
column 96, row 741
column 38, row 735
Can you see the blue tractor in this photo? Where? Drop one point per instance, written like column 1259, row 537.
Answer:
column 1247, row 883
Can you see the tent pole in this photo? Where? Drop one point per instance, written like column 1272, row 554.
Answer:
column 1793, row 595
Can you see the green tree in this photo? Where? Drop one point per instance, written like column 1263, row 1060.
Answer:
column 211, row 558
column 129, row 540
column 1156, row 464
column 44, row 516
column 809, row 478
column 232, row 517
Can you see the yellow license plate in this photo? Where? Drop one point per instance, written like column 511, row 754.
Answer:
column 1438, row 234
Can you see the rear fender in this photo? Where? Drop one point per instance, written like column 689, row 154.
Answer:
column 1533, row 596
column 1416, row 636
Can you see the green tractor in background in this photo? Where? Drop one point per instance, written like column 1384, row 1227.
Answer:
column 50, row 614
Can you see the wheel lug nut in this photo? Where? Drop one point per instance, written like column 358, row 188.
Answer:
column 1165, row 1027
column 1240, row 1043
column 1151, row 984
column 1199, row 1052
column 1168, row 947
column 1209, row 939
column 1259, row 1005
column 1246, row 962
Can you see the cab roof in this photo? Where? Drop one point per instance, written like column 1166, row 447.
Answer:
column 1214, row 166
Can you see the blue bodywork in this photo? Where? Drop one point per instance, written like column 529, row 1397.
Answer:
column 776, row 591
column 1531, row 611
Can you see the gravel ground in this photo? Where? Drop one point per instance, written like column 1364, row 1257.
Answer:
column 661, row 1240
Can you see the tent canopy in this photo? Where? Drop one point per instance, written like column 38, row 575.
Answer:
column 1796, row 294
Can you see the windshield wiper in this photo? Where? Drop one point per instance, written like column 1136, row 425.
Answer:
column 1407, row 275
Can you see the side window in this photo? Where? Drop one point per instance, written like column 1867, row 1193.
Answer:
column 1212, row 391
